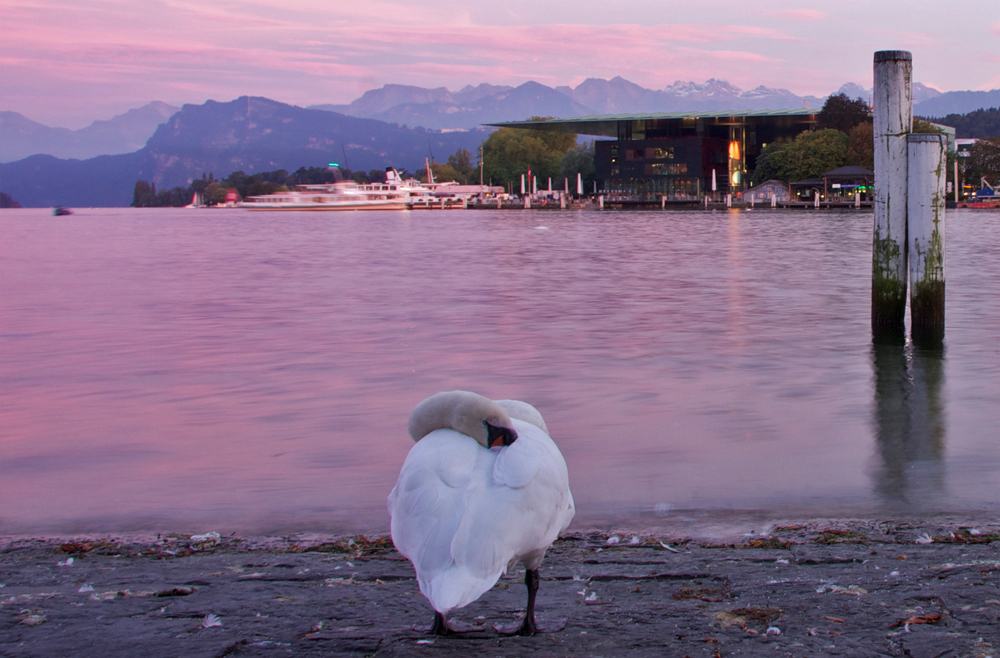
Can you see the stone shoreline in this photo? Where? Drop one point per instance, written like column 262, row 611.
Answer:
column 813, row 588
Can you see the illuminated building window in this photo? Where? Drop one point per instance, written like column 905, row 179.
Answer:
column 660, row 153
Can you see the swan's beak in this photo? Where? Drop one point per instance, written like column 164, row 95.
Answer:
column 499, row 437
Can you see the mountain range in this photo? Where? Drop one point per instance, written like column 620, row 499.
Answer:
column 471, row 106
column 251, row 134
column 21, row 137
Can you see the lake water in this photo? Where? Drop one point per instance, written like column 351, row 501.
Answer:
column 197, row 370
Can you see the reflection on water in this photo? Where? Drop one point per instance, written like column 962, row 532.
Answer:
column 909, row 423
column 198, row 370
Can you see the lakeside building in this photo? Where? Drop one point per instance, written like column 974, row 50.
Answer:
column 678, row 154
column 838, row 184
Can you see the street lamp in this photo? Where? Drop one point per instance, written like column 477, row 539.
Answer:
column 480, row 166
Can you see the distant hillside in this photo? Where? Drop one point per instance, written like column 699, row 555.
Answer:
column 981, row 123
column 21, row 137
column 249, row 134
column 957, row 102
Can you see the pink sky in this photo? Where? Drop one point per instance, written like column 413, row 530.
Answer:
column 69, row 63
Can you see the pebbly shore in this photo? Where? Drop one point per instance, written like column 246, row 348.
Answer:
column 811, row 588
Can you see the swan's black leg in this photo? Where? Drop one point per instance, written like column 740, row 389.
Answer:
column 528, row 626
column 440, row 625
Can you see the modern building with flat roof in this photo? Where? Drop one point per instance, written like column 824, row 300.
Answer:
column 678, row 154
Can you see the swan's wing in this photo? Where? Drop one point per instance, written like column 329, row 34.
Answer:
column 428, row 501
column 521, row 511
column 428, row 506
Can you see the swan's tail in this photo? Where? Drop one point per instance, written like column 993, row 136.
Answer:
column 455, row 588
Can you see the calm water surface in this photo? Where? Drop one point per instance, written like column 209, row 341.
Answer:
column 221, row 370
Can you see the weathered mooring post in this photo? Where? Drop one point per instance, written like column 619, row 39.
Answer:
column 893, row 121
column 927, row 168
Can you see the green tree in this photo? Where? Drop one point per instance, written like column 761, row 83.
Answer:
column 578, row 159
column 510, row 152
column 807, row 156
column 841, row 113
column 984, row 161
column 443, row 173
column 861, row 146
column 466, row 171
column 812, row 153
column 142, row 195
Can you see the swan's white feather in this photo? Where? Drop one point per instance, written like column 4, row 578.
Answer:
column 461, row 513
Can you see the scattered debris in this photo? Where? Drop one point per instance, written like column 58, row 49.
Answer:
column 613, row 539
column 32, row 617
column 918, row 619
column 840, row 537
column 210, row 621
column 853, row 590
column 741, row 616
column 711, row 594
column 770, row 542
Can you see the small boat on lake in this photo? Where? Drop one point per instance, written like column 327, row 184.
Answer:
column 59, row 211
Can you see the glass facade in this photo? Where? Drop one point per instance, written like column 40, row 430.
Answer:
column 677, row 156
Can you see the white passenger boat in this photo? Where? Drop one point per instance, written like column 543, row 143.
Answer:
column 394, row 194
column 343, row 195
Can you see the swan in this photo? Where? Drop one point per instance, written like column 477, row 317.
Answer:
column 483, row 488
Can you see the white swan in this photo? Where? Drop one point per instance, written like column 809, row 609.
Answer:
column 483, row 488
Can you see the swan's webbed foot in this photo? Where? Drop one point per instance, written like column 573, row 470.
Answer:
column 444, row 627
column 531, row 627
column 528, row 625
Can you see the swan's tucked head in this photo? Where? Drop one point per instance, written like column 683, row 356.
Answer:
column 465, row 412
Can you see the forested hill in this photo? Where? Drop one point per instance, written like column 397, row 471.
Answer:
column 249, row 134
column 981, row 123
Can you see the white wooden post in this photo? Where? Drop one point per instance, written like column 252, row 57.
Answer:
column 927, row 172
column 893, row 120
column 600, row 202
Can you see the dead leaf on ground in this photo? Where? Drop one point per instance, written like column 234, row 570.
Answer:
column 918, row 619
column 770, row 542
column 711, row 594
column 741, row 616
